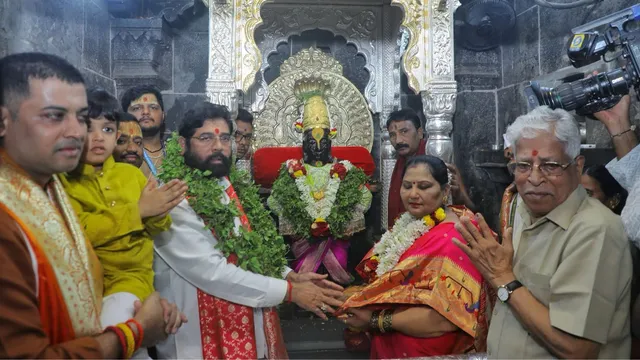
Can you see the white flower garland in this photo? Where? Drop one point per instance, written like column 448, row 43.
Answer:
column 320, row 209
column 396, row 241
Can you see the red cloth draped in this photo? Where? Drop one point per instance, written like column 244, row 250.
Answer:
column 267, row 161
column 396, row 208
column 227, row 329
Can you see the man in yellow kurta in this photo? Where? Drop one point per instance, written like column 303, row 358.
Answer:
column 119, row 211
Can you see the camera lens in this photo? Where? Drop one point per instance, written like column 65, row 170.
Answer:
column 587, row 96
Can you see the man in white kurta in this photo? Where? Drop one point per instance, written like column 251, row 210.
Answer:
column 187, row 260
column 230, row 310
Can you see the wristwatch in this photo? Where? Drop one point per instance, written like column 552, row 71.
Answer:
column 504, row 291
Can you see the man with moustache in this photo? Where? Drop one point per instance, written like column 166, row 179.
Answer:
column 407, row 137
column 129, row 148
column 200, row 262
column 145, row 103
column 50, row 278
column 244, row 134
column 563, row 272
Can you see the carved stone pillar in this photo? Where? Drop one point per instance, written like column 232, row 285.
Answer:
column 439, row 105
column 439, row 95
column 221, row 84
column 388, row 162
column 428, row 63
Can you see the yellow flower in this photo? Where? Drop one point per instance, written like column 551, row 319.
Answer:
column 335, row 175
column 429, row 221
column 318, row 220
column 375, row 257
column 298, row 173
column 440, row 214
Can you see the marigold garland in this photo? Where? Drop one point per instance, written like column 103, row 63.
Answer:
column 261, row 250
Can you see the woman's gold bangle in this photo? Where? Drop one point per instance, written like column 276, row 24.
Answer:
column 380, row 321
column 387, row 321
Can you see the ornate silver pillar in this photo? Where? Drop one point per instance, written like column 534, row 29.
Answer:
column 439, row 95
column 388, row 162
column 439, row 105
column 221, row 84
column 428, row 63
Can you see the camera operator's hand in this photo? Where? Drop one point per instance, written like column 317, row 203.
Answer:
column 617, row 118
column 618, row 123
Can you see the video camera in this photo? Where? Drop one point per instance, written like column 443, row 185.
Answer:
column 587, row 46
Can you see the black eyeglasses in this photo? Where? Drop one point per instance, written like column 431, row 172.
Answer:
column 240, row 137
column 207, row 139
column 549, row 168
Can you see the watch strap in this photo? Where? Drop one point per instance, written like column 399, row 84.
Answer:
column 513, row 286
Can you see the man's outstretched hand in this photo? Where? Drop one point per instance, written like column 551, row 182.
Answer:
column 319, row 280
column 311, row 297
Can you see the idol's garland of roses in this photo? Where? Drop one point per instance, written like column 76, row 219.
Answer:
column 261, row 250
column 293, row 206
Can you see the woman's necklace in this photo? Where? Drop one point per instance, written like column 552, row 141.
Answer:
column 403, row 234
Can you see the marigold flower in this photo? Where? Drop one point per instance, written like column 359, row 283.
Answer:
column 429, row 221
column 440, row 214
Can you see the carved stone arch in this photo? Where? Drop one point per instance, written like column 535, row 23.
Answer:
column 356, row 24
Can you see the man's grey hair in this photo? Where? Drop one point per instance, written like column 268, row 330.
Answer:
column 558, row 123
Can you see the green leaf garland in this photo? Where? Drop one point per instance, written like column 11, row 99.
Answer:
column 261, row 250
column 286, row 193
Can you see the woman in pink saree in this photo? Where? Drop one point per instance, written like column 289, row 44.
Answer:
column 424, row 297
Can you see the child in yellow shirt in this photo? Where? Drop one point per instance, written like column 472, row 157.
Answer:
column 120, row 212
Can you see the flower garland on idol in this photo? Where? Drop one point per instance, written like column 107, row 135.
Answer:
column 396, row 241
column 318, row 214
column 261, row 250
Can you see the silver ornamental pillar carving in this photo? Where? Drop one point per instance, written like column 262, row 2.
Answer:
column 221, row 87
column 388, row 159
column 439, row 105
column 396, row 38
column 439, row 94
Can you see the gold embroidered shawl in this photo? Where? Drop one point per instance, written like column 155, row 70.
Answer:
column 57, row 230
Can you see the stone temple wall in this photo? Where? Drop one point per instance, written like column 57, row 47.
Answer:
column 77, row 30
column 491, row 83
column 167, row 45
